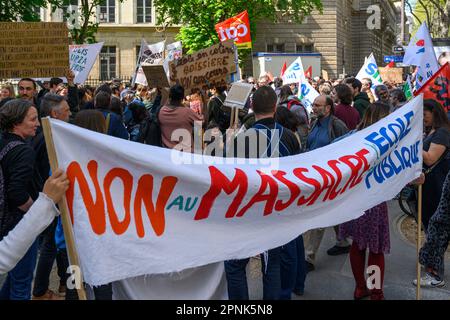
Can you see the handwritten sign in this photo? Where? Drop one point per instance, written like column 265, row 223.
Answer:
column 33, row 49
column 392, row 75
column 204, row 68
column 82, row 58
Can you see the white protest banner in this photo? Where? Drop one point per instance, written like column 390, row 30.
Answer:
column 370, row 70
column 294, row 73
column 307, row 94
column 149, row 54
column 82, row 58
column 174, row 51
column 135, row 212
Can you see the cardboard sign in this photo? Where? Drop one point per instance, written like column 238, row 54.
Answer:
column 33, row 49
column 82, row 58
column 325, row 75
column 236, row 28
column 156, row 76
column 204, row 68
column 238, row 95
column 392, row 75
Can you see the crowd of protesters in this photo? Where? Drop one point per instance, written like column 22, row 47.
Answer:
column 151, row 115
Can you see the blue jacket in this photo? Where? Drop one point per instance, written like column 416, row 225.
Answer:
column 116, row 127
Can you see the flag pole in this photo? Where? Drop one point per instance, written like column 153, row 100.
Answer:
column 63, row 208
column 419, row 235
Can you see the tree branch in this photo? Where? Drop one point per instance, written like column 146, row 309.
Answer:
column 412, row 11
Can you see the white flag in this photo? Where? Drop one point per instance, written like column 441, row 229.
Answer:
column 173, row 52
column 420, row 53
column 295, row 73
column 370, row 70
column 149, row 54
column 307, row 94
column 82, row 58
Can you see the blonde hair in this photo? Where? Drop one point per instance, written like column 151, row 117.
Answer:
column 10, row 88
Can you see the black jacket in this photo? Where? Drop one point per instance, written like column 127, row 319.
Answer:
column 19, row 180
column 42, row 164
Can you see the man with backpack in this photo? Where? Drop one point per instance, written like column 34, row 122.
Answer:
column 218, row 114
column 288, row 100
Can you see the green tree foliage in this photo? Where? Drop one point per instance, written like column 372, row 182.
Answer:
column 22, row 10
column 198, row 17
column 82, row 22
column 436, row 13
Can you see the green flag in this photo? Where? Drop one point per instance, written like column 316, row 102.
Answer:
column 407, row 89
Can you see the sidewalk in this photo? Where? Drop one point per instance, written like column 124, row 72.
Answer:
column 333, row 280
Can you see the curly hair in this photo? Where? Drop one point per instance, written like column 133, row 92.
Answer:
column 13, row 113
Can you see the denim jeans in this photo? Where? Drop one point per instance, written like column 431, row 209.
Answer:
column 237, row 277
column 293, row 268
column 47, row 256
column 301, row 265
column 17, row 285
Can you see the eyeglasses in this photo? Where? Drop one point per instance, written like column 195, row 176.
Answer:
column 318, row 105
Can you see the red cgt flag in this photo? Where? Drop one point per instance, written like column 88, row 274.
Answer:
column 283, row 70
column 237, row 28
column 438, row 87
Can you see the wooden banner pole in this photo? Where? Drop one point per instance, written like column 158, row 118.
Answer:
column 63, row 208
column 419, row 236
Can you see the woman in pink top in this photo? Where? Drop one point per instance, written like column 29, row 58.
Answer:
column 175, row 116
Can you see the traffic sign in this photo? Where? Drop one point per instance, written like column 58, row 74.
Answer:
column 396, row 59
column 398, row 49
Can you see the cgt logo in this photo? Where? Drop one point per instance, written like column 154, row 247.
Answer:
column 239, row 31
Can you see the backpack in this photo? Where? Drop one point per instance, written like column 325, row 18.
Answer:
column 150, row 132
column 223, row 115
column 295, row 102
column 7, row 221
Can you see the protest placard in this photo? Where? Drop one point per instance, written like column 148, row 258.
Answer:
column 391, row 75
column 238, row 95
column 156, row 76
column 204, row 68
column 82, row 58
column 148, row 54
column 33, row 49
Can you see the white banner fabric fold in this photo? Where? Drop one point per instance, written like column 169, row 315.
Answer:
column 137, row 211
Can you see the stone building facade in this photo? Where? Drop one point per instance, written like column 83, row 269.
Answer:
column 340, row 34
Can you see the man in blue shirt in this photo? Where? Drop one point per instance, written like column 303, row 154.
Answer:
column 324, row 129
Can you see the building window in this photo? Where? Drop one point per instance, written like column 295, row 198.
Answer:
column 107, row 11
column 144, row 11
column 108, row 63
column 304, row 48
column 275, row 47
column 69, row 10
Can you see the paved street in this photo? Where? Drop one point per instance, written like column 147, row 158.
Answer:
column 333, row 280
